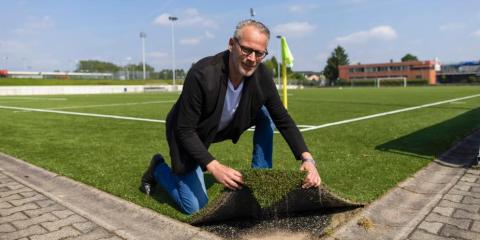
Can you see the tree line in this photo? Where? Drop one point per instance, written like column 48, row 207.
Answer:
column 108, row 67
column 337, row 58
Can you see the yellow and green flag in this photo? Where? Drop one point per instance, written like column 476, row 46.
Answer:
column 287, row 57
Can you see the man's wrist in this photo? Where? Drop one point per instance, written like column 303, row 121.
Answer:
column 309, row 159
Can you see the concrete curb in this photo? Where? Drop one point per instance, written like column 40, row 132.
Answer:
column 399, row 214
column 121, row 217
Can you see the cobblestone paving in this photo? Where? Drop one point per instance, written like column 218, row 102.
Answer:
column 457, row 215
column 26, row 214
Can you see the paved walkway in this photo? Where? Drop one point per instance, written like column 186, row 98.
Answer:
column 28, row 214
column 36, row 204
column 441, row 201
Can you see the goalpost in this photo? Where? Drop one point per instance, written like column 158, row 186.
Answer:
column 379, row 82
column 392, row 81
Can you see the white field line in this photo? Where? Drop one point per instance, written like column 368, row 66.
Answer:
column 300, row 126
column 308, row 127
column 305, row 126
column 386, row 113
column 112, row 105
column 84, row 114
column 24, row 101
column 36, row 98
column 107, row 105
column 251, row 129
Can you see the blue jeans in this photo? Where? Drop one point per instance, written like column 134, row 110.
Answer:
column 188, row 191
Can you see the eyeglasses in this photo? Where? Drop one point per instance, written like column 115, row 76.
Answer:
column 246, row 51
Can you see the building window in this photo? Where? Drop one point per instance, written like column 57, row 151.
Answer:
column 382, row 69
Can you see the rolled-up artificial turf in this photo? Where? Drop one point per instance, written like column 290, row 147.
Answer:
column 269, row 193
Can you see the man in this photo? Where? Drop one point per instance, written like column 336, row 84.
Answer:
column 223, row 96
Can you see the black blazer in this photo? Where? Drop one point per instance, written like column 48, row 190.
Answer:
column 192, row 124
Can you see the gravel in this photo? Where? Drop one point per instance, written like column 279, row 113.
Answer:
column 311, row 223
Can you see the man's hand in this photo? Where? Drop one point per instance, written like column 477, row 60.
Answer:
column 313, row 178
column 229, row 177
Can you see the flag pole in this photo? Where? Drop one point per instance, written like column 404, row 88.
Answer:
column 287, row 59
column 284, row 86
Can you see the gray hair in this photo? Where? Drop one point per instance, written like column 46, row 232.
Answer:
column 250, row 22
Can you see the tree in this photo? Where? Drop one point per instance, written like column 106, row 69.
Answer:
column 409, row 57
column 337, row 58
column 272, row 65
column 96, row 66
column 139, row 67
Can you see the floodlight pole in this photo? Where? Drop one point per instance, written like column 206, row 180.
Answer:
column 279, row 59
column 143, row 35
column 127, row 67
column 173, row 19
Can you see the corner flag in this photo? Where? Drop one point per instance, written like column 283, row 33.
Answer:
column 287, row 56
column 287, row 59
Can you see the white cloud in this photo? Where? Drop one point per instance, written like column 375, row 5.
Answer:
column 209, row 35
column 35, row 25
column 451, row 27
column 294, row 29
column 377, row 33
column 192, row 17
column 196, row 40
column 189, row 17
column 162, row 20
column 476, row 33
column 190, row 41
column 301, row 8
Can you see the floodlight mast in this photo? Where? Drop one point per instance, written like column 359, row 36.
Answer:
column 279, row 59
column 128, row 59
column 143, row 35
column 173, row 19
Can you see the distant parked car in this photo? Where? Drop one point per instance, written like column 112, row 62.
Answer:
column 3, row 73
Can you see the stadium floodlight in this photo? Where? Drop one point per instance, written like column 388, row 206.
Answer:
column 279, row 59
column 143, row 35
column 173, row 19
column 252, row 13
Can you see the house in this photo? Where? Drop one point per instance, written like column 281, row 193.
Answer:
column 410, row 70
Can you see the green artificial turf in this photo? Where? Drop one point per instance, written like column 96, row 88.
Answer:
column 270, row 186
column 359, row 161
column 267, row 186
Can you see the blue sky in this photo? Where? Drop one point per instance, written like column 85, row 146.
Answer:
column 53, row 35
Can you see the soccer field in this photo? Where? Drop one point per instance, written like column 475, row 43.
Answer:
column 365, row 140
